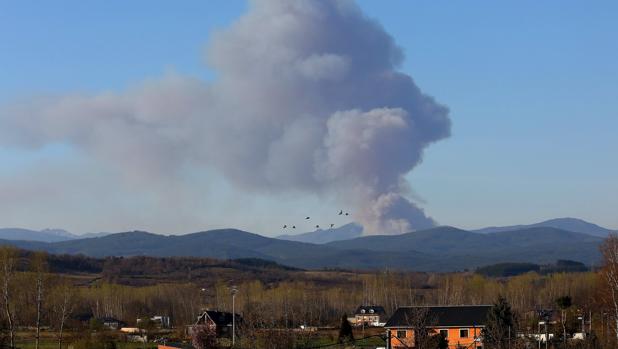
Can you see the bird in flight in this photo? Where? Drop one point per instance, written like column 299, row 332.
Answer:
column 317, row 226
column 340, row 212
column 293, row 227
column 332, row 225
column 307, row 217
column 347, row 214
column 285, row 226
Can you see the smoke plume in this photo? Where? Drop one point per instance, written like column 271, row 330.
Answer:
column 307, row 98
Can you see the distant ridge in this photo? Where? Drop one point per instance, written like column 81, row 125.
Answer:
column 438, row 249
column 569, row 224
column 46, row 235
column 320, row 236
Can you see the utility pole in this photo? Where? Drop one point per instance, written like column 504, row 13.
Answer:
column 546, row 333
column 234, row 290
column 538, row 334
column 203, row 290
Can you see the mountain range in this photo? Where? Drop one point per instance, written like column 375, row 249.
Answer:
column 437, row 249
column 323, row 236
column 570, row 224
column 45, row 235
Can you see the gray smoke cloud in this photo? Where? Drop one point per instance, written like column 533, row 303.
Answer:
column 307, row 98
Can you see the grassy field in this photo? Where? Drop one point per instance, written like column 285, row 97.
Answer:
column 25, row 340
column 321, row 339
column 47, row 344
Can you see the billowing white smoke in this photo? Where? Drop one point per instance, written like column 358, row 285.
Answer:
column 307, row 98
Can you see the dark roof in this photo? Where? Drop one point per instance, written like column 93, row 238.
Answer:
column 220, row 318
column 178, row 345
column 377, row 309
column 109, row 319
column 82, row 316
column 442, row 316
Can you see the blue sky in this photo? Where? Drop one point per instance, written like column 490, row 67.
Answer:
column 532, row 88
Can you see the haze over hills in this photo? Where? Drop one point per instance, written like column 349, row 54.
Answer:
column 570, row 224
column 322, row 236
column 319, row 236
column 537, row 244
column 437, row 249
column 46, row 235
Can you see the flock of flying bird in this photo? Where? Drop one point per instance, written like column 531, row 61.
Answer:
column 317, row 226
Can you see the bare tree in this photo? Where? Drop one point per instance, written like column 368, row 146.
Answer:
column 420, row 321
column 203, row 337
column 564, row 303
column 609, row 250
column 8, row 260
column 62, row 302
column 38, row 265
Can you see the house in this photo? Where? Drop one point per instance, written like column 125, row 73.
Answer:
column 158, row 320
column 88, row 319
column 162, row 321
column 221, row 321
column 461, row 325
column 112, row 323
column 369, row 315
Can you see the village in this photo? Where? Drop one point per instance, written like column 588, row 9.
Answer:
column 43, row 308
column 440, row 327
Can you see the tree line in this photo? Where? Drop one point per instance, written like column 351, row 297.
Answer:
column 47, row 292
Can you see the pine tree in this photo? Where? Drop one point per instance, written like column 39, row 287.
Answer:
column 345, row 331
column 500, row 325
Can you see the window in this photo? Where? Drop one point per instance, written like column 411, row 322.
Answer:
column 444, row 333
column 463, row 333
column 401, row 334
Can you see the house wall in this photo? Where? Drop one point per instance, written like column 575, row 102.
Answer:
column 454, row 339
column 401, row 342
column 367, row 318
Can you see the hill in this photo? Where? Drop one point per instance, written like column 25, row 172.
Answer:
column 569, row 224
column 437, row 249
column 47, row 235
column 320, row 236
column 460, row 247
column 221, row 244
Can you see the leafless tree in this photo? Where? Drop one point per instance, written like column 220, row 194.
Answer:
column 62, row 301
column 609, row 250
column 38, row 265
column 8, row 260
column 419, row 320
column 203, row 337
